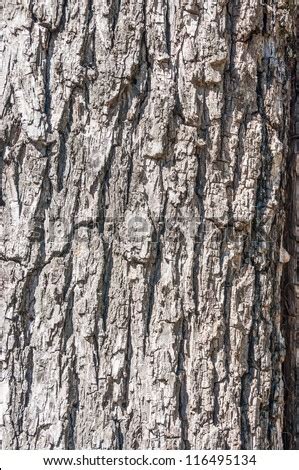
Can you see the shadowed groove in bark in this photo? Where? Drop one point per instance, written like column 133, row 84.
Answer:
column 47, row 78
column 63, row 138
column 2, row 202
column 128, row 358
column 115, row 10
column 153, row 279
column 106, row 282
column 154, row 273
column 183, row 393
column 167, row 28
column 73, row 404
column 68, row 323
column 199, row 193
column 62, row 19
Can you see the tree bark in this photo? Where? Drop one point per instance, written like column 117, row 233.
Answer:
column 145, row 153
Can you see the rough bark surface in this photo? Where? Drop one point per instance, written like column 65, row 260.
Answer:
column 144, row 153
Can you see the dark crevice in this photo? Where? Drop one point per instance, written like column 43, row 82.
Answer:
column 216, row 409
column 68, row 327
column 265, row 16
column 239, row 153
column 61, row 164
column 226, row 316
column 119, row 437
column 64, row 134
column 167, row 29
column 129, row 177
column 29, row 376
column 62, row 21
column 108, row 265
column 88, row 52
column 199, row 190
column 128, row 358
column 96, row 352
column 153, row 280
column 2, row 202
column 115, row 11
column 90, row 11
column 246, row 439
column 73, row 403
column 47, row 79
column 96, row 348
column 183, row 397
column 143, row 84
column 244, row 400
column 154, row 273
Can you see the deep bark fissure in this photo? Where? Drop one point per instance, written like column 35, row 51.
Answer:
column 153, row 279
column 2, row 202
column 167, row 28
column 47, row 78
column 108, row 266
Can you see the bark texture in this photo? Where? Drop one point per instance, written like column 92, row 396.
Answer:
column 144, row 155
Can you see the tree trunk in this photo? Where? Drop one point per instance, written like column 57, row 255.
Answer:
column 146, row 179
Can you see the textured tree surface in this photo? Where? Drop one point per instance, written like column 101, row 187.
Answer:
column 146, row 148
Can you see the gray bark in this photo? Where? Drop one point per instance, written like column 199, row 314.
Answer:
column 145, row 153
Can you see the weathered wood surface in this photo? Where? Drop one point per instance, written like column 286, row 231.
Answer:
column 145, row 149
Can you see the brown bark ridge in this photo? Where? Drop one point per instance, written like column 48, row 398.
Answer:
column 145, row 154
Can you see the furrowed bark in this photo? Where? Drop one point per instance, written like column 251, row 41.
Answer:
column 146, row 154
